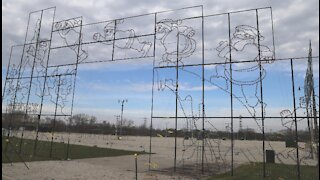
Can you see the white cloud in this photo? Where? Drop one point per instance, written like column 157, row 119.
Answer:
column 188, row 87
column 286, row 27
column 143, row 87
column 124, row 86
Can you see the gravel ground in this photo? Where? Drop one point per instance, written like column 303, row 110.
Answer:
column 189, row 155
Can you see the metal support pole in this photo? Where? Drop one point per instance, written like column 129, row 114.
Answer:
column 136, row 165
column 316, row 133
column 203, row 106
column 17, row 84
column 295, row 119
column 117, row 125
column 31, row 79
column 7, row 74
column 310, row 128
column 231, row 93
column 74, row 86
column 36, row 139
column 176, row 113
column 152, row 93
column 261, row 97
column 121, row 116
column 114, row 39
column 314, row 109
column 55, row 116
column 68, row 145
column 44, row 87
column 3, row 93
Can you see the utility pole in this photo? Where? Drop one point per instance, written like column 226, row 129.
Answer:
column 117, row 124
column 121, row 116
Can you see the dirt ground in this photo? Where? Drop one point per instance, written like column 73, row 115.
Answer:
column 217, row 158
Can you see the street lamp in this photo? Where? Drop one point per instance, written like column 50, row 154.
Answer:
column 121, row 117
column 117, row 124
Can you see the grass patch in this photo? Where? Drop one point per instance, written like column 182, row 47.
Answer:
column 59, row 151
column 254, row 171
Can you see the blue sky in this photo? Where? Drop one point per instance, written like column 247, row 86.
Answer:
column 99, row 86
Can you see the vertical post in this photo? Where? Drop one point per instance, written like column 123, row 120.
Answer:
column 17, row 84
column 316, row 133
column 121, row 118
column 7, row 74
column 295, row 119
column 136, row 165
column 68, row 143
column 152, row 93
column 310, row 128
column 117, row 125
column 74, row 85
column 231, row 93
column 36, row 139
column 4, row 88
column 44, row 86
column 31, row 79
column 55, row 116
column 114, row 38
column 203, row 106
column 176, row 113
column 314, row 109
column 261, row 96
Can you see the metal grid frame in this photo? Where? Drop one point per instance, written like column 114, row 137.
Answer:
column 82, row 55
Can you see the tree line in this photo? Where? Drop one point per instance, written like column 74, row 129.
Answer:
column 83, row 123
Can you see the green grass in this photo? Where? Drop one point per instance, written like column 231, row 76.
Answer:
column 59, row 151
column 254, row 171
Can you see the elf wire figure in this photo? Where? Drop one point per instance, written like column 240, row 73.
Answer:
column 245, row 76
column 172, row 33
column 128, row 39
column 68, row 30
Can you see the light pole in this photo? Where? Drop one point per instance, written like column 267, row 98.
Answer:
column 117, row 124
column 121, row 117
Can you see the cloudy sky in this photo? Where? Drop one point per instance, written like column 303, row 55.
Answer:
column 99, row 86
